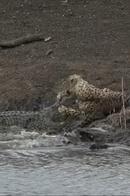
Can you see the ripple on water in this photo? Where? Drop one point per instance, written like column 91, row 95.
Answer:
column 33, row 164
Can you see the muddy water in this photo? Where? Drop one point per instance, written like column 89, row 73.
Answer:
column 34, row 164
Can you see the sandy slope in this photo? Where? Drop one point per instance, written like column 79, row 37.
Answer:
column 88, row 37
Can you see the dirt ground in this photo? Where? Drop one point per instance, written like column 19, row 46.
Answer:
column 89, row 37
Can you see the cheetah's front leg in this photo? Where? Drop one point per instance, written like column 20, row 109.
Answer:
column 68, row 112
column 62, row 95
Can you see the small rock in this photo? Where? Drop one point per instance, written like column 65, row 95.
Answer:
column 49, row 52
column 47, row 39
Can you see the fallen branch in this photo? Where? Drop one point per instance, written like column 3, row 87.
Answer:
column 23, row 40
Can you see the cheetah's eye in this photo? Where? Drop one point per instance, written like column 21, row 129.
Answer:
column 72, row 80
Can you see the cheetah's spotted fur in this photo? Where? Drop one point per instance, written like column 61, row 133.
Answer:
column 91, row 100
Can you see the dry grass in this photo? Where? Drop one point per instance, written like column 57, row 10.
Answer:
column 123, row 111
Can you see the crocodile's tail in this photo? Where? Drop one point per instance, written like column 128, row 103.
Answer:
column 32, row 120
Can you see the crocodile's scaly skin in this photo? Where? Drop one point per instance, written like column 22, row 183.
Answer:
column 35, row 120
column 38, row 120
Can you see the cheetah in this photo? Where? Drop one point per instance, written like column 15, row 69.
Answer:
column 89, row 111
column 104, row 100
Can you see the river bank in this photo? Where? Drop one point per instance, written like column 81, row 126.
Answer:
column 87, row 37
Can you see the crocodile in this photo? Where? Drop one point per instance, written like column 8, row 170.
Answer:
column 90, row 103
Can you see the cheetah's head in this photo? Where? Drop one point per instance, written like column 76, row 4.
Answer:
column 69, row 86
column 73, row 79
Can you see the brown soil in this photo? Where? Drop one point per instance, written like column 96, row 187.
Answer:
column 89, row 37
